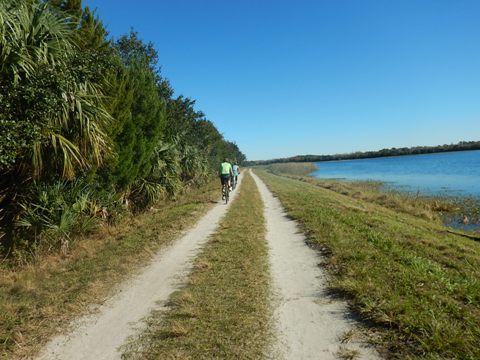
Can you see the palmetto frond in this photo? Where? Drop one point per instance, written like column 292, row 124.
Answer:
column 31, row 35
column 83, row 118
column 35, row 42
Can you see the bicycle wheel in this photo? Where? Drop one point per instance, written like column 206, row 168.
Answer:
column 227, row 194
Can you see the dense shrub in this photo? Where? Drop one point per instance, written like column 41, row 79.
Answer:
column 89, row 126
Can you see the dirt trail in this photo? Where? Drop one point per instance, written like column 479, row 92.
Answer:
column 98, row 336
column 310, row 324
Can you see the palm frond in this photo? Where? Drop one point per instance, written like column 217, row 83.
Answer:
column 31, row 35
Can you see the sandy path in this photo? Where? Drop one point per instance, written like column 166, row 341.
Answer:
column 98, row 336
column 309, row 322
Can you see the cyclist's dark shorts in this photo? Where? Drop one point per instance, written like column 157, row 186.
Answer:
column 224, row 178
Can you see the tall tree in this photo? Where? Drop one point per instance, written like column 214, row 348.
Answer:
column 139, row 113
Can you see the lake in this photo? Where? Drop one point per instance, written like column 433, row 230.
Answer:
column 451, row 173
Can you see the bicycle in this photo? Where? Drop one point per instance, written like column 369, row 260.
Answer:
column 225, row 192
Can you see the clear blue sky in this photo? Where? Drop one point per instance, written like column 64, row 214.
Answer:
column 282, row 78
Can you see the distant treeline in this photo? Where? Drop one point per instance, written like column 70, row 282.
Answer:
column 461, row 146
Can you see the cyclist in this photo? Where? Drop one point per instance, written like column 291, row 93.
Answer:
column 236, row 171
column 225, row 174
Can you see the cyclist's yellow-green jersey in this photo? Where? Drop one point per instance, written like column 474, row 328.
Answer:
column 225, row 168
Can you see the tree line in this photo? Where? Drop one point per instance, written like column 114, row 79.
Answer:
column 90, row 129
column 461, row 146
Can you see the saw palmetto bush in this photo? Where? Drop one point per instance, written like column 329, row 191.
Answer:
column 194, row 165
column 164, row 178
column 166, row 170
column 52, row 213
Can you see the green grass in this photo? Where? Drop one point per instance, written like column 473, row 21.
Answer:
column 430, row 208
column 224, row 311
column 417, row 284
column 39, row 299
column 454, row 211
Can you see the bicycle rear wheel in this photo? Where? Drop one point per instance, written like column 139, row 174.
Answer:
column 227, row 194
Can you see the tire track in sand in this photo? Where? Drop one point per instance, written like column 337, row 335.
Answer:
column 100, row 335
column 310, row 324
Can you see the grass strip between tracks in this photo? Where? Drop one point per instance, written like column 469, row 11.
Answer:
column 223, row 312
column 417, row 284
column 39, row 299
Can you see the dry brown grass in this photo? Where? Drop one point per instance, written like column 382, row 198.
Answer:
column 224, row 311
column 39, row 299
column 292, row 168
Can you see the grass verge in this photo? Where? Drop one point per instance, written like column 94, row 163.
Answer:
column 223, row 312
column 416, row 282
column 39, row 299
column 461, row 213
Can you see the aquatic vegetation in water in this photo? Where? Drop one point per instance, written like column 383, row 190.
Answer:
column 466, row 214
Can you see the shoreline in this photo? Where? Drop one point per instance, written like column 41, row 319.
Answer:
column 467, row 218
column 390, row 186
column 456, row 212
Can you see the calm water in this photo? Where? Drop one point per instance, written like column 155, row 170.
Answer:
column 453, row 173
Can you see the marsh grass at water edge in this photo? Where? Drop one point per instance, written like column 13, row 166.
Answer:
column 447, row 174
